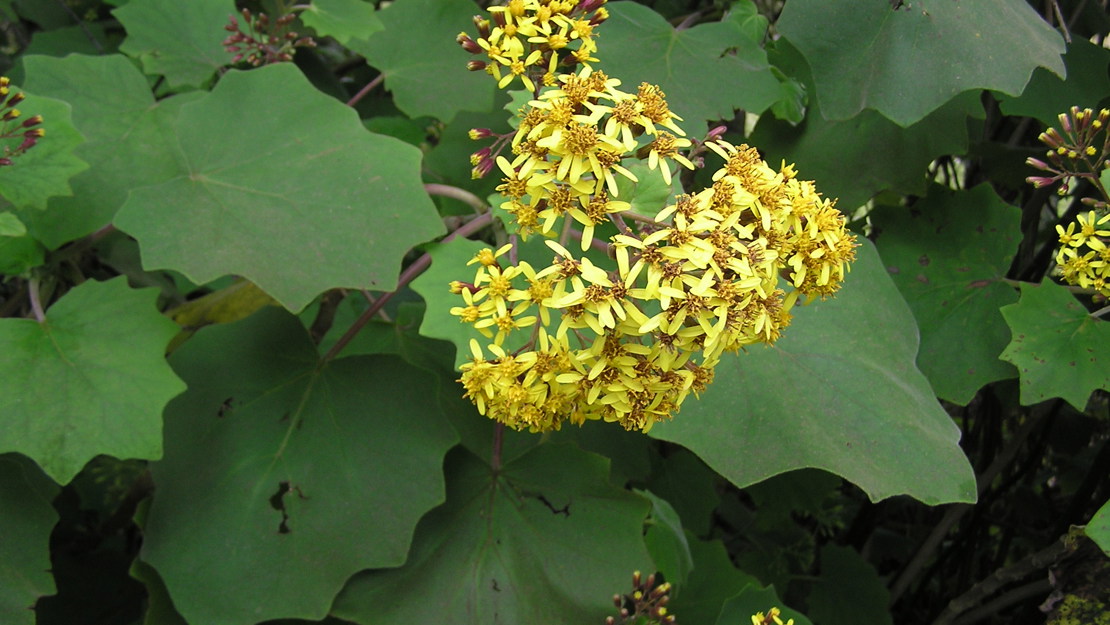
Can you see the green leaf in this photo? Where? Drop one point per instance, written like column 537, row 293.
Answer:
column 85, row 38
column 1047, row 95
column 949, row 256
column 907, row 62
column 706, row 71
column 182, row 41
column 849, row 590
column 159, row 606
column 838, row 392
column 343, row 20
column 27, row 518
column 666, row 541
column 283, row 477
column 545, row 540
column 648, row 196
column 11, row 226
column 753, row 599
column 690, row 486
column 19, row 254
column 424, row 68
column 43, row 171
column 91, row 379
column 1057, row 346
column 299, row 200
column 855, row 159
column 1098, row 529
column 711, row 583
column 129, row 139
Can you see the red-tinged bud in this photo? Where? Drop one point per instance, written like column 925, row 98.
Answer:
column 479, row 133
column 599, row 16
column 617, row 601
column 236, row 58
column 483, row 26
column 468, row 44
column 4, row 162
column 1038, row 181
column 32, row 121
column 28, row 143
column 636, row 578
column 1065, row 122
column 479, row 156
column 475, row 66
column 610, row 620
column 12, row 114
column 5, row 81
column 585, row 6
column 1039, row 164
column 307, row 42
column 36, row 132
column 232, row 25
column 15, row 99
column 716, row 133
column 246, row 13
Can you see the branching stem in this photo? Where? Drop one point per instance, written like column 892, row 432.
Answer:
column 408, row 275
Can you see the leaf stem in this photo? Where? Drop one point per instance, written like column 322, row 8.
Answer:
column 455, row 193
column 365, row 90
column 408, row 275
column 36, row 305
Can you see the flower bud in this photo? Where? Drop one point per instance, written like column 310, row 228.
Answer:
column 475, row 66
column 32, row 121
column 479, row 133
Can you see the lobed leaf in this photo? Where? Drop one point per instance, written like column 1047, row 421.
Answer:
column 838, row 392
column 1048, row 95
column 907, row 60
column 546, row 539
column 283, row 476
column 182, row 41
column 706, row 71
column 1057, row 346
column 344, row 20
column 299, row 200
column 129, row 139
column 424, row 68
column 43, row 171
column 949, row 256
column 90, row 379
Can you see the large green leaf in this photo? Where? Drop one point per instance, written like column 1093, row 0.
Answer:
column 1047, row 95
column 343, row 20
column 856, row 158
column 283, row 477
column 545, row 540
column 666, row 541
column 838, row 392
column 706, row 71
column 43, row 171
column 1058, row 348
column 424, row 68
column 26, row 519
column 299, row 200
column 906, row 62
column 91, row 379
column 949, row 256
column 129, row 142
column 182, row 41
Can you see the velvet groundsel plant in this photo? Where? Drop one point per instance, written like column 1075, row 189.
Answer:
column 628, row 336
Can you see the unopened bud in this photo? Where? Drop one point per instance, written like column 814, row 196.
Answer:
column 32, row 121
column 1065, row 122
column 37, row 132
column 12, row 114
column 15, row 99
column 600, row 16
column 479, row 133
column 475, row 66
column 716, row 133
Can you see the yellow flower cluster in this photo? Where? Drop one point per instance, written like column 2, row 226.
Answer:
column 1083, row 258
column 570, row 145
column 651, row 332
column 527, row 37
column 628, row 343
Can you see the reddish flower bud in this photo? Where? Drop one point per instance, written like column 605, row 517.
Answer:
column 475, row 66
